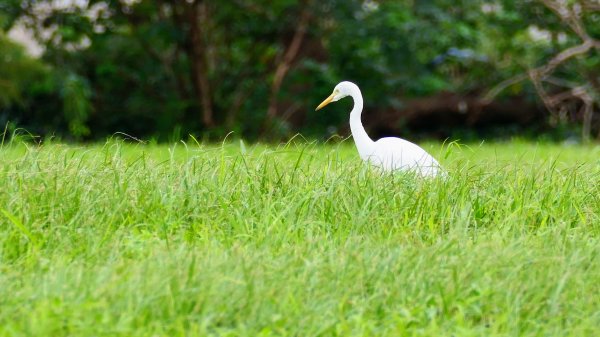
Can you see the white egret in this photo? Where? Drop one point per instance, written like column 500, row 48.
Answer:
column 389, row 153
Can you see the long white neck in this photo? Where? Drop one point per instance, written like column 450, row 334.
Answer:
column 361, row 139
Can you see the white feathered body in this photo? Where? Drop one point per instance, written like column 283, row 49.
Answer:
column 393, row 153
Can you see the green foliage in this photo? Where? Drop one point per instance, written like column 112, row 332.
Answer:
column 301, row 240
column 76, row 100
column 139, row 65
column 17, row 73
column 28, row 90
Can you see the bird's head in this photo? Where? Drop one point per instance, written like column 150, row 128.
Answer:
column 340, row 91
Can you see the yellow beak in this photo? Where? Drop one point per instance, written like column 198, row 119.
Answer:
column 325, row 102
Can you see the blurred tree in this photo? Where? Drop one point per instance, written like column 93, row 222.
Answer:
column 258, row 67
column 562, row 58
column 27, row 89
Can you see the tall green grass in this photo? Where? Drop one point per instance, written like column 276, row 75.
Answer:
column 301, row 239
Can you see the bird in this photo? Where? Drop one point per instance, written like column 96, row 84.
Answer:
column 388, row 153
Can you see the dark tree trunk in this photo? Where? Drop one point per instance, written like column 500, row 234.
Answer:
column 196, row 16
column 286, row 62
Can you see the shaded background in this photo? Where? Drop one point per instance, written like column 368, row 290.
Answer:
column 166, row 69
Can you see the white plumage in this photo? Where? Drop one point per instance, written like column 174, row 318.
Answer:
column 389, row 153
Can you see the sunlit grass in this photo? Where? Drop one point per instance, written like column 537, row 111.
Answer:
column 300, row 239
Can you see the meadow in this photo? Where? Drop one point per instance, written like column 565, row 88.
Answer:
column 300, row 239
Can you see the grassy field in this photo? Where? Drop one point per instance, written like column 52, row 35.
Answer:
column 123, row 239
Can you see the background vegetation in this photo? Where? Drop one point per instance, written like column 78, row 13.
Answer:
column 161, row 68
